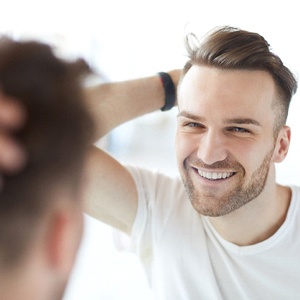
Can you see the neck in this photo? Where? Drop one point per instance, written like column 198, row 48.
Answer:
column 15, row 286
column 257, row 220
column 28, row 281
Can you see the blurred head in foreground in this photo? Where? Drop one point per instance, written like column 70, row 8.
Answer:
column 41, row 207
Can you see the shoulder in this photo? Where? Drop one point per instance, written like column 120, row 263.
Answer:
column 293, row 214
column 295, row 190
column 156, row 186
column 154, row 178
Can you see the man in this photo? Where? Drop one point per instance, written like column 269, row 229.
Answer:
column 40, row 204
column 227, row 230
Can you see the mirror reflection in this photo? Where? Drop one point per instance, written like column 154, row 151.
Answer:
column 228, row 140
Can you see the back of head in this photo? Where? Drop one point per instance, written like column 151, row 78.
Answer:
column 56, row 135
column 232, row 48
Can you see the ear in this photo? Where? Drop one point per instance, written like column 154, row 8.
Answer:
column 282, row 144
column 64, row 236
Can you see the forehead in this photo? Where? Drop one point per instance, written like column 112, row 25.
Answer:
column 240, row 93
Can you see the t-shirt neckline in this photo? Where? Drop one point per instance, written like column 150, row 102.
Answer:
column 264, row 245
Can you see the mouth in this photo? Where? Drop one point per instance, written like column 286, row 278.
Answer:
column 214, row 176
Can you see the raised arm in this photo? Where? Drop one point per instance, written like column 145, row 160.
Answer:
column 115, row 103
column 110, row 191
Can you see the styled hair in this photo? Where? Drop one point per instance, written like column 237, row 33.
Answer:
column 231, row 48
column 56, row 135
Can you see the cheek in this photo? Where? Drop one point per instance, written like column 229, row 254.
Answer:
column 185, row 146
column 250, row 155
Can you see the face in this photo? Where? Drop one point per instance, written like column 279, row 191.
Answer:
column 225, row 143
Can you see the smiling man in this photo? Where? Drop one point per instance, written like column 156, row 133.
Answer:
column 227, row 153
column 223, row 230
column 226, row 229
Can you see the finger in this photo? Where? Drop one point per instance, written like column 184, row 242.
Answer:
column 12, row 156
column 12, row 113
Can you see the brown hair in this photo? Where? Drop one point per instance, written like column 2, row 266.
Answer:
column 232, row 48
column 56, row 135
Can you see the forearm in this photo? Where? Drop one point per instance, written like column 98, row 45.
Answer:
column 111, row 193
column 115, row 103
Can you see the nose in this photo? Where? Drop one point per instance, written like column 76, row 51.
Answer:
column 212, row 148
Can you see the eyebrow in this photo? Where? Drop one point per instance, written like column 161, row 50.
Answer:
column 239, row 121
column 242, row 121
column 189, row 115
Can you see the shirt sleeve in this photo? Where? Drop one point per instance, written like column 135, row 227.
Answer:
column 155, row 193
column 141, row 234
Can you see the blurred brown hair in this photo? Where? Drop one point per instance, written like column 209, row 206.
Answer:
column 55, row 136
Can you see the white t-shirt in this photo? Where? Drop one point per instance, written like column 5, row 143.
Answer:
column 185, row 257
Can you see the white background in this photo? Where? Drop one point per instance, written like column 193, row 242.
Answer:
column 128, row 39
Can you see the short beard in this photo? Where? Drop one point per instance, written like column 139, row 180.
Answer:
column 231, row 201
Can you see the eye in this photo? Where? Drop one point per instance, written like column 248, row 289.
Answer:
column 190, row 126
column 193, row 124
column 239, row 129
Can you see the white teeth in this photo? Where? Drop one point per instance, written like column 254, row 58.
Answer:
column 213, row 175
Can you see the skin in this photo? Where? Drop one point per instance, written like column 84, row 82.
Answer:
column 225, row 129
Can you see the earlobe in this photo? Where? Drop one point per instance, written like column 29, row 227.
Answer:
column 282, row 144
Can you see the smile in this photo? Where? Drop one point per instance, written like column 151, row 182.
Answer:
column 215, row 175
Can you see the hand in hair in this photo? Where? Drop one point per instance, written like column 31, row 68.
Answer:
column 12, row 117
